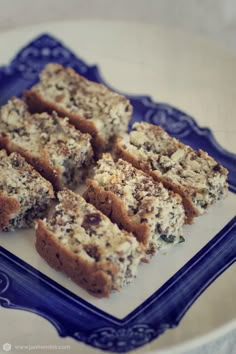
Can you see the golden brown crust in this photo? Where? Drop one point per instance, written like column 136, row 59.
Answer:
column 4, row 142
column 112, row 206
column 41, row 165
column 93, row 277
column 8, row 207
column 37, row 104
column 190, row 209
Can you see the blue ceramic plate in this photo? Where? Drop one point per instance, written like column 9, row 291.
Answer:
column 165, row 300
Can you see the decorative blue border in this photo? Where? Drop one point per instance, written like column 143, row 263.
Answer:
column 23, row 287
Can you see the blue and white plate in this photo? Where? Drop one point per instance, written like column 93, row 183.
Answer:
column 166, row 288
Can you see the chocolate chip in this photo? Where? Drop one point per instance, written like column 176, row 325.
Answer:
column 193, row 157
column 166, row 169
column 93, row 251
column 199, row 154
column 217, row 168
column 158, row 227
column 147, row 146
column 143, row 220
column 15, row 163
column 88, row 115
column 59, row 88
column 92, row 219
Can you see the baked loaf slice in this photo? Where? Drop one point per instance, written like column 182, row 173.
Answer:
column 24, row 193
column 137, row 203
column 83, row 243
column 196, row 176
column 91, row 107
column 53, row 146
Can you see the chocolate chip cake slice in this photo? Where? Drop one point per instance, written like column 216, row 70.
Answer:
column 55, row 148
column 137, row 203
column 91, row 107
column 24, row 193
column 80, row 241
column 196, row 176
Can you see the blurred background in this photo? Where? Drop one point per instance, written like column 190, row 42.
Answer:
column 215, row 19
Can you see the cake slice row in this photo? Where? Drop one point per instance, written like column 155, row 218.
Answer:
column 137, row 203
column 50, row 144
column 80, row 240
column 75, row 238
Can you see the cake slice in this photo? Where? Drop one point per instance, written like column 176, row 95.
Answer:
column 91, row 107
column 53, row 146
column 83, row 243
column 197, row 177
column 24, row 193
column 137, row 203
